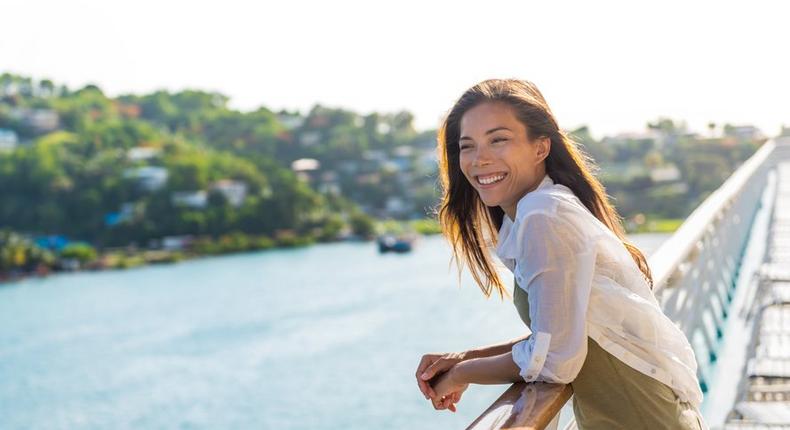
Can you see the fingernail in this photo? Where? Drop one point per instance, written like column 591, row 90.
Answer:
column 424, row 375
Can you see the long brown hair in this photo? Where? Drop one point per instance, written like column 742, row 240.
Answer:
column 466, row 220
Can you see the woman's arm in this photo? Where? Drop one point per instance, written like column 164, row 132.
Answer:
column 559, row 255
column 491, row 350
column 496, row 369
column 436, row 364
column 558, row 271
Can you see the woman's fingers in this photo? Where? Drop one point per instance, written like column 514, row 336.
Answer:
column 446, row 403
column 435, row 373
column 425, row 363
column 438, row 366
column 430, row 366
column 451, row 403
column 439, row 404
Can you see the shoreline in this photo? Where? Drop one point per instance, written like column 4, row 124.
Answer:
column 135, row 259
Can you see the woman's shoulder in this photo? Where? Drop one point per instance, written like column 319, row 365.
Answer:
column 557, row 201
column 549, row 220
column 544, row 201
column 561, row 214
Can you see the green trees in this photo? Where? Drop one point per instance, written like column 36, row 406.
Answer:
column 20, row 254
column 79, row 251
column 137, row 168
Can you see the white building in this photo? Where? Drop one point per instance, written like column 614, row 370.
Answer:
column 396, row 206
column 744, row 132
column 234, row 191
column 666, row 173
column 8, row 139
column 193, row 199
column 41, row 120
column 291, row 121
column 176, row 243
column 150, row 178
column 142, row 153
column 309, row 138
column 304, row 168
column 654, row 136
column 329, row 183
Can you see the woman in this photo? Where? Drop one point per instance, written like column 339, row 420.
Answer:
column 509, row 172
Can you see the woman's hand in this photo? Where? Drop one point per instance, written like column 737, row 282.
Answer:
column 433, row 364
column 447, row 388
column 448, row 402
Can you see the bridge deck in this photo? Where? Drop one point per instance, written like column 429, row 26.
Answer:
column 764, row 396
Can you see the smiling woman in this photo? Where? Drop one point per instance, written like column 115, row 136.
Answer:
column 512, row 178
column 501, row 162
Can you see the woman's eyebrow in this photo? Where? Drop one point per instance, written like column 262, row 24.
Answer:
column 488, row 132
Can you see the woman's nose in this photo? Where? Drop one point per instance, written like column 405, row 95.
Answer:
column 482, row 156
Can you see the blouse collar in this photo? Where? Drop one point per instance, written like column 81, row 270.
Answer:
column 506, row 243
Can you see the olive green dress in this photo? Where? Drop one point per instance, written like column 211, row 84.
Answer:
column 609, row 394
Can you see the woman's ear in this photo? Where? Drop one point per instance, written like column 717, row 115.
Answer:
column 543, row 147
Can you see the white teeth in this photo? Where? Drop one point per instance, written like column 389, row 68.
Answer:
column 491, row 180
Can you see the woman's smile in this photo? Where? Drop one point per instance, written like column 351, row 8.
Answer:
column 490, row 180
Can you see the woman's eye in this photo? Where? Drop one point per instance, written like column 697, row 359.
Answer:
column 463, row 147
column 499, row 139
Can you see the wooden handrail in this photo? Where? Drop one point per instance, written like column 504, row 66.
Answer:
column 524, row 406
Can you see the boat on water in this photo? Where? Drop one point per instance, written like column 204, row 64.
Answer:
column 396, row 243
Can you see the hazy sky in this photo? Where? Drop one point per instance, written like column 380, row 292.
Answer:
column 610, row 65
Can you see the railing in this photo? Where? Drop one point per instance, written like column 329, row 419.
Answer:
column 696, row 270
column 694, row 276
column 524, row 406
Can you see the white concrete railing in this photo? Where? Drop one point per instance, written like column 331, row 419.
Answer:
column 696, row 269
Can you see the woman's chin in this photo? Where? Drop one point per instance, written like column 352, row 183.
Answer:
column 490, row 202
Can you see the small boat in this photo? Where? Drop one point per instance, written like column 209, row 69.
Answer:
column 390, row 242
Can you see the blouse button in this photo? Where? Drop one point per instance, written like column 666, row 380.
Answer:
column 529, row 376
column 653, row 370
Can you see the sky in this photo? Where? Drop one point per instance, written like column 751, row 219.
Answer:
column 610, row 65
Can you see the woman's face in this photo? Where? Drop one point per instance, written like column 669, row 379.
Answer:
column 496, row 156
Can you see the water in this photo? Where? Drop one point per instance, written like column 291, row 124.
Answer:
column 324, row 337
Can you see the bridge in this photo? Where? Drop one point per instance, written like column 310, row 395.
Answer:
column 724, row 278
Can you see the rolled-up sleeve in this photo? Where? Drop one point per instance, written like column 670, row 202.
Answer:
column 555, row 266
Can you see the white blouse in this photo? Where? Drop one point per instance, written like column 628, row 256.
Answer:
column 582, row 281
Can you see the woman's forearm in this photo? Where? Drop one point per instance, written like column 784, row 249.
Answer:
column 490, row 350
column 496, row 369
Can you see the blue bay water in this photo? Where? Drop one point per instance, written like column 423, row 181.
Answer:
column 322, row 337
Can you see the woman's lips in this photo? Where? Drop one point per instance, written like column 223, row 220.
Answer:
column 501, row 175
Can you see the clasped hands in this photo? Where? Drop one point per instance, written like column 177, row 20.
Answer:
column 439, row 380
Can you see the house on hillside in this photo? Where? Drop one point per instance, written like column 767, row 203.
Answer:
column 142, row 153
column 149, row 178
column 40, row 120
column 234, row 191
column 8, row 139
column 305, row 168
column 197, row 199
